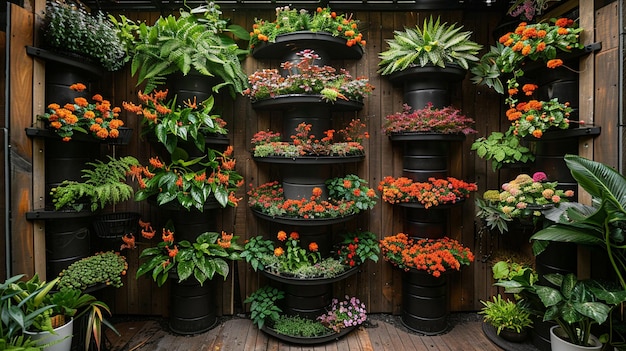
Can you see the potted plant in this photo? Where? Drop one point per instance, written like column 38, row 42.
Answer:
column 435, row 43
column 97, row 118
column 527, row 10
column 188, row 43
column 503, row 149
column 305, row 77
column 190, row 183
column 433, row 193
column 323, row 30
column 191, row 265
column 101, row 269
column 595, row 225
column 303, row 144
column 427, row 60
column 173, row 125
column 575, row 305
column 523, row 198
column 341, row 317
column 105, row 183
column 428, row 120
column 51, row 311
column 290, row 20
column 425, row 264
column 510, row 318
column 348, row 195
column 290, row 258
column 68, row 28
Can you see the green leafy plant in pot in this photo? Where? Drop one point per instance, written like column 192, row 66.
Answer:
column 436, row 43
column 201, row 259
column 189, row 42
column 510, row 318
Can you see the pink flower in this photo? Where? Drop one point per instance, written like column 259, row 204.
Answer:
column 521, row 205
column 539, row 177
column 556, row 199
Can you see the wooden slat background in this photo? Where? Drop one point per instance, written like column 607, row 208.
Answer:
column 377, row 284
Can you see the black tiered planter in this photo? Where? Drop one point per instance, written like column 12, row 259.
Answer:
column 192, row 306
column 425, row 302
column 422, row 85
column 308, row 298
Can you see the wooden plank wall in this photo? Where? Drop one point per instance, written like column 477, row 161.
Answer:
column 377, row 284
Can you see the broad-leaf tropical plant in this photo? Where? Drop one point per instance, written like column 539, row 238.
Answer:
column 436, row 43
column 600, row 225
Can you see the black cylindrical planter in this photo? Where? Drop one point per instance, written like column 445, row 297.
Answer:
column 188, row 225
column 300, row 180
column 429, row 84
column 425, row 302
column 431, row 223
column 307, row 301
column 67, row 241
column 425, row 159
column 59, row 78
column 66, row 161
column 318, row 115
column 559, row 258
column 549, row 159
column 193, row 85
column 192, row 306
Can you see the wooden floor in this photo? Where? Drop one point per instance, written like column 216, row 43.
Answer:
column 381, row 333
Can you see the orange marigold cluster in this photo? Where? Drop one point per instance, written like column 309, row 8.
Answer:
column 434, row 192
column 435, row 256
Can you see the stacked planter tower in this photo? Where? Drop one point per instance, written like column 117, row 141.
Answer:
column 311, row 297
column 426, row 155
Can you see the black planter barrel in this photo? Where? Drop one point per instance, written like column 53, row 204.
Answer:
column 307, row 301
column 425, row 302
column 65, row 161
column 192, row 306
column 429, row 84
column 190, row 86
column 67, row 241
column 429, row 223
column 188, row 225
column 549, row 159
column 422, row 160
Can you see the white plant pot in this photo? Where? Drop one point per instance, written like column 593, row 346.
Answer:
column 61, row 341
column 558, row 342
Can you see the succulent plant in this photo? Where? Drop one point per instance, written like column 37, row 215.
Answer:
column 435, row 44
column 102, row 268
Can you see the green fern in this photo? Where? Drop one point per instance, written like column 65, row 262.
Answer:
column 104, row 184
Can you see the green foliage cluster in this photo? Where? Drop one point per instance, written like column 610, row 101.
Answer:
column 506, row 314
column 180, row 44
column 69, row 28
column 201, row 259
column 104, row 184
column 263, row 305
column 435, row 44
column 101, row 268
column 300, row 327
column 502, row 149
column 352, row 188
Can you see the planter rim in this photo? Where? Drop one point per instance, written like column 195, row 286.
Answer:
column 310, row 160
column 417, row 136
column 52, row 56
column 597, row 344
column 302, row 221
column 78, row 136
column 285, row 102
column 284, row 44
column 458, row 202
column 451, row 72
column 308, row 341
column 309, row 281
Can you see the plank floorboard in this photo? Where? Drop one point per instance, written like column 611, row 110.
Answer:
column 382, row 333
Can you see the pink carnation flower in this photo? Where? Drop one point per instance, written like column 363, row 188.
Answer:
column 539, row 177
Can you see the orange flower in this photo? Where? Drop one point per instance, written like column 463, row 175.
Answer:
column 278, row 251
column 294, row 235
column 78, row 87
column 172, row 252
column 282, row 236
column 313, row 247
column 129, row 241
column 167, row 236
column 554, row 63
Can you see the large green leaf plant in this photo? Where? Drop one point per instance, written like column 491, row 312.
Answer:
column 600, row 225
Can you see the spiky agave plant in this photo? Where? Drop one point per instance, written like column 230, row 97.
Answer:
column 435, row 44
